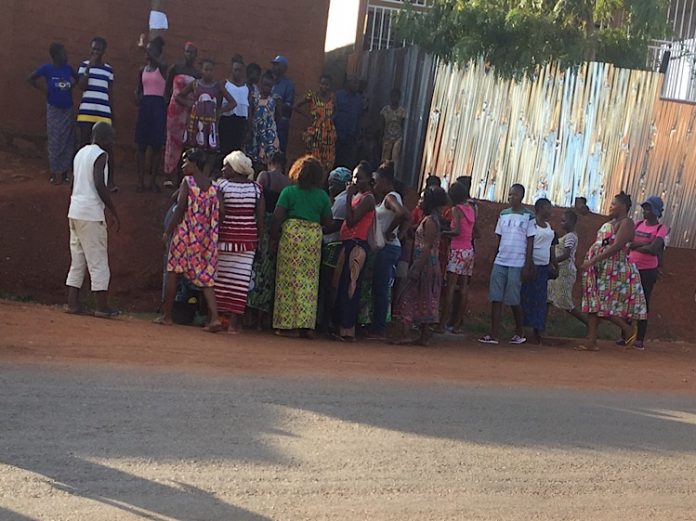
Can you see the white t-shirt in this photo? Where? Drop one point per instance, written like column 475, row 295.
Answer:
column 385, row 217
column 338, row 212
column 85, row 203
column 514, row 228
column 241, row 96
column 542, row 244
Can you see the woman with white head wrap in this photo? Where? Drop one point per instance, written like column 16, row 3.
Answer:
column 239, row 236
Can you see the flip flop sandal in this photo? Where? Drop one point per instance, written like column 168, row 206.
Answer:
column 213, row 328
column 586, row 348
column 488, row 339
column 112, row 313
column 634, row 336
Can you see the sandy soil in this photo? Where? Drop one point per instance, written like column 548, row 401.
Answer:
column 38, row 333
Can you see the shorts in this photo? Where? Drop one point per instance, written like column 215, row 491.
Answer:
column 461, row 262
column 506, row 285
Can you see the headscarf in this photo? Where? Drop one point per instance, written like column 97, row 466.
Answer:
column 340, row 176
column 240, row 163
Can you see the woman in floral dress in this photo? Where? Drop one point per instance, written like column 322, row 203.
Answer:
column 320, row 136
column 193, row 249
column 264, row 131
column 611, row 284
column 418, row 301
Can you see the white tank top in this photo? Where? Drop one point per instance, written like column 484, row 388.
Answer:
column 85, row 203
column 385, row 217
column 241, row 96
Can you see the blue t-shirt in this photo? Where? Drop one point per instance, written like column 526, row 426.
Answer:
column 284, row 92
column 58, row 83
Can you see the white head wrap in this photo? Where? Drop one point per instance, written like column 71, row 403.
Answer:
column 240, row 163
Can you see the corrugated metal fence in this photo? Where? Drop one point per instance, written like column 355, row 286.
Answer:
column 413, row 72
column 590, row 132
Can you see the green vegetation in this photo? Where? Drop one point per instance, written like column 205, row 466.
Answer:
column 518, row 36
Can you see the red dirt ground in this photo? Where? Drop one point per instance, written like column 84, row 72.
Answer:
column 34, row 254
column 32, row 333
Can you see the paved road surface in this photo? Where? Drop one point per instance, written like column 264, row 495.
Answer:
column 90, row 443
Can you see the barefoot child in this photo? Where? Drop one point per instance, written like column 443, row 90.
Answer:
column 515, row 231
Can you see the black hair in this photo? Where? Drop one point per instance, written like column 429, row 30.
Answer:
column 458, row 193
column 54, row 49
column 326, row 77
column 237, row 58
column 395, row 91
column 624, row 199
column 207, row 60
column 540, row 203
column 432, row 180
column 268, row 75
column 571, row 217
column 465, row 181
column 253, row 67
column 197, row 157
column 99, row 40
column 365, row 167
column 581, row 198
column 158, row 43
column 434, row 198
column 386, row 171
column 279, row 159
column 518, row 186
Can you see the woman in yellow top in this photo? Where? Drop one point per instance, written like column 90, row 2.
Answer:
column 320, row 136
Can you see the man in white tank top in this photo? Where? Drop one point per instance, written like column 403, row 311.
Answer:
column 87, row 220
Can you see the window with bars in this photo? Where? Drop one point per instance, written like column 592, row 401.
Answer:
column 378, row 29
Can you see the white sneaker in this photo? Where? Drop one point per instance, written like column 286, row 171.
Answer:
column 488, row 339
column 517, row 340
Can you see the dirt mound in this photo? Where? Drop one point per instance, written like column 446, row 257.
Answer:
column 34, row 256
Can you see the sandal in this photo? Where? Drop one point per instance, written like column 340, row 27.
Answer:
column 488, row 339
column 633, row 337
column 586, row 348
column 109, row 313
column 213, row 328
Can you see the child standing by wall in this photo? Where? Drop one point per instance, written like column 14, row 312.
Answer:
column 535, row 289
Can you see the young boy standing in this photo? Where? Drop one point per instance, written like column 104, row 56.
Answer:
column 515, row 231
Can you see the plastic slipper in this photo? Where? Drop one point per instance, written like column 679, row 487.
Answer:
column 488, row 339
column 586, row 348
column 634, row 336
column 518, row 340
column 111, row 313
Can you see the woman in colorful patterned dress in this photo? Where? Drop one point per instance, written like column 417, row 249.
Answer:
column 611, row 284
column 178, row 78
column 418, row 301
column 320, row 136
column 296, row 235
column 264, row 131
column 206, row 107
column 193, row 249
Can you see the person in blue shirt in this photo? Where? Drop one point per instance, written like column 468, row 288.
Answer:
column 347, row 115
column 284, row 92
column 59, row 80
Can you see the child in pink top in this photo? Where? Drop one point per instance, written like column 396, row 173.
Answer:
column 460, row 265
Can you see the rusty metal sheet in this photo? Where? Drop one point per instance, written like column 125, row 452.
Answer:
column 593, row 132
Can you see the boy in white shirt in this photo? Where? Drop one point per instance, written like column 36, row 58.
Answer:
column 515, row 231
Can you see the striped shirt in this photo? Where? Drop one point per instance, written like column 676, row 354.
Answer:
column 514, row 228
column 239, row 231
column 95, row 105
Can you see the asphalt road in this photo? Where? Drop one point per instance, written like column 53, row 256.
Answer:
column 93, row 443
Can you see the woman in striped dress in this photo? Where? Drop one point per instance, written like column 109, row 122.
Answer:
column 239, row 236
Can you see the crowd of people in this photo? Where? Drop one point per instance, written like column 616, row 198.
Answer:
column 188, row 105
column 328, row 247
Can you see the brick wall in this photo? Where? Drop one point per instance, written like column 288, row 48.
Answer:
column 258, row 30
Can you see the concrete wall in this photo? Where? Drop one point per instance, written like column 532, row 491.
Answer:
column 258, row 30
